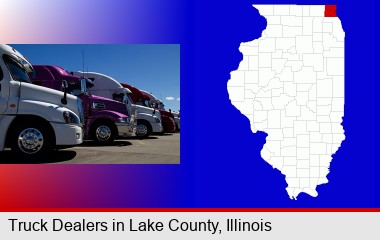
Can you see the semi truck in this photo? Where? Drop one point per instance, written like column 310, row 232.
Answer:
column 33, row 119
column 148, row 119
column 167, row 117
column 105, row 119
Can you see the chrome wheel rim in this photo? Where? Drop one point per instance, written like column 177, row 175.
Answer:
column 30, row 141
column 103, row 133
column 142, row 130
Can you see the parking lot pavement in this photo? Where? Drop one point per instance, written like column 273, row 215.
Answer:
column 163, row 149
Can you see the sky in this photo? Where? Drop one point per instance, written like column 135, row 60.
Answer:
column 151, row 67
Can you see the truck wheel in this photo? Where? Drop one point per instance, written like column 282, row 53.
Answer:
column 31, row 140
column 143, row 129
column 103, row 133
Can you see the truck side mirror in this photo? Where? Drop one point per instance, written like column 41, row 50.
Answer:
column 83, row 84
column 154, row 111
column 65, row 85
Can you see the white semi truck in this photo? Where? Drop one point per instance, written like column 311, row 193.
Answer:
column 34, row 119
column 148, row 120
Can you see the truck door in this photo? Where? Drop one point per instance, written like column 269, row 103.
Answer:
column 3, row 95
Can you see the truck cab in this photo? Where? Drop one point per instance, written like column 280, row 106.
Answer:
column 105, row 119
column 167, row 117
column 34, row 119
column 148, row 120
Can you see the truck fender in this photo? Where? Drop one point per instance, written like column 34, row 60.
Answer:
column 147, row 117
column 107, row 115
column 5, row 122
column 49, row 112
column 26, row 118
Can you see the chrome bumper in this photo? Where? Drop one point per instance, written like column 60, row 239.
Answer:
column 126, row 129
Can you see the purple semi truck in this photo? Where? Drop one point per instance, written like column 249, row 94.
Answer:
column 105, row 119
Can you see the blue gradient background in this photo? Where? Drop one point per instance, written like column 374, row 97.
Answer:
column 220, row 157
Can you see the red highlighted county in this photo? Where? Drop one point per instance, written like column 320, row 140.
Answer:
column 330, row 11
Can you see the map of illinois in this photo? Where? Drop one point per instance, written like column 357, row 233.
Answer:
column 290, row 85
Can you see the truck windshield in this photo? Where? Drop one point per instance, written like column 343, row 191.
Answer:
column 75, row 88
column 120, row 97
column 80, row 87
column 161, row 106
column 1, row 74
column 147, row 103
column 18, row 72
column 158, row 105
column 129, row 98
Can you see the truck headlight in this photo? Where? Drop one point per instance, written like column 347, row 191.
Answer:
column 70, row 118
column 124, row 120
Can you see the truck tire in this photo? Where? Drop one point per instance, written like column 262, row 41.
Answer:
column 31, row 140
column 143, row 129
column 103, row 133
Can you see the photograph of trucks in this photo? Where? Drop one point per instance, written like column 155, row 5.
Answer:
column 44, row 108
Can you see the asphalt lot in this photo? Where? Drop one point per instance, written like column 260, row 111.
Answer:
column 156, row 149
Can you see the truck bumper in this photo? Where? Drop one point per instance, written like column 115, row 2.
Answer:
column 157, row 127
column 67, row 135
column 126, row 129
